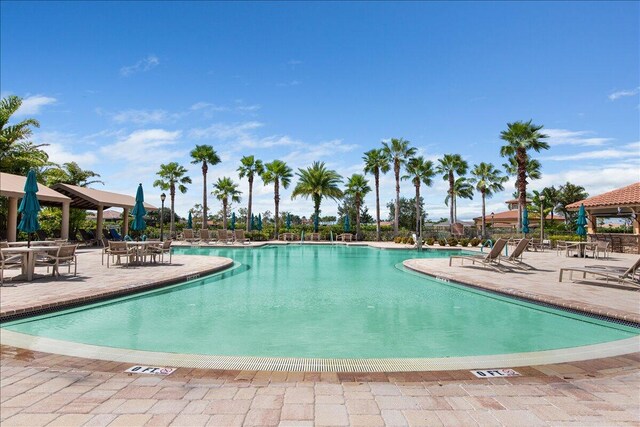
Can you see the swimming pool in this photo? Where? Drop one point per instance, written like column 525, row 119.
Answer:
column 311, row 301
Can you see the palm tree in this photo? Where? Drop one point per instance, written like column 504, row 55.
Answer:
column 488, row 181
column 250, row 167
column 358, row 187
column 317, row 182
column 570, row 193
column 552, row 196
column 225, row 189
column 375, row 161
column 206, row 155
column 398, row 151
column 522, row 137
column 462, row 189
column 17, row 153
column 449, row 166
column 172, row 176
column 71, row 173
column 419, row 171
column 276, row 172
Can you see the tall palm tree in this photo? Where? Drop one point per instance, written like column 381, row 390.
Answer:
column 376, row 161
column 358, row 187
column 448, row 166
column 552, row 196
column 462, row 189
column 570, row 193
column 172, row 176
column 224, row 190
column 317, row 182
column 206, row 155
column 419, row 171
column 250, row 167
column 488, row 181
column 521, row 138
column 71, row 173
column 398, row 152
column 276, row 172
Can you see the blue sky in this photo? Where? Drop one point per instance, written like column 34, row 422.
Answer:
column 123, row 87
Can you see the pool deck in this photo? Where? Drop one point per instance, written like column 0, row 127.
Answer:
column 40, row 389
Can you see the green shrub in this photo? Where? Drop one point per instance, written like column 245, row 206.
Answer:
column 431, row 241
column 567, row 237
column 464, row 242
column 452, row 241
column 397, row 240
column 410, row 241
column 442, row 242
column 258, row 236
column 475, row 242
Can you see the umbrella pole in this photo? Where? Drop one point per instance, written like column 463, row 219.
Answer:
column 28, row 240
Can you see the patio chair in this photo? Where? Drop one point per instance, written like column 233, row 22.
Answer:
column 87, row 239
column 491, row 260
column 601, row 247
column 106, row 234
column 536, row 244
column 345, row 237
column 42, row 235
column 239, row 237
column 187, row 235
column 223, row 237
column 115, row 235
column 204, row 235
column 162, row 249
column 117, row 250
column 627, row 276
column 64, row 255
column 515, row 258
column 8, row 261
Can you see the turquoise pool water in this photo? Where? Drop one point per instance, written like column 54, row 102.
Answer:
column 322, row 301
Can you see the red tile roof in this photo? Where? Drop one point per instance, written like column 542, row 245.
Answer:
column 513, row 215
column 625, row 196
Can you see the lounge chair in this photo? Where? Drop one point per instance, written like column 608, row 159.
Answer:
column 188, row 236
column 64, row 255
column 515, row 258
column 223, row 237
column 115, row 235
column 627, row 276
column 239, row 237
column 204, row 235
column 87, row 239
column 345, row 237
column 491, row 260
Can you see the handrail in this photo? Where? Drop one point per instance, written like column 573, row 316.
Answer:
column 489, row 242
column 301, row 236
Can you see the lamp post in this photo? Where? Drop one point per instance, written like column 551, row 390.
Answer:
column 541, row 219
column 162, row 199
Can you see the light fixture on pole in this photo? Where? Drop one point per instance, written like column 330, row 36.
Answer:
column 162, row 199
column 541, row 219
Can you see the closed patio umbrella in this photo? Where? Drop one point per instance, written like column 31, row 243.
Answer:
column 315, row 223
column 189, row 221
column 139, row 211
column 29, row 207
column 233, row 221
column 288, row 221
column 259, row 222
column 581, row 222
column 252, row 223
column 525, row 221
column 347, row 224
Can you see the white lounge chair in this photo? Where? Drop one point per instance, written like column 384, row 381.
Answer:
column 627, row 276
column 491, row 260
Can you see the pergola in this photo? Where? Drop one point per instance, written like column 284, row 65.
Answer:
column 12, row 187
column 99, row 200
column 623, row 202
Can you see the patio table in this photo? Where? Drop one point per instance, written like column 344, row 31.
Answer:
column 33, row 243
column 140, row 247
column 581, row 246
column 28, row 257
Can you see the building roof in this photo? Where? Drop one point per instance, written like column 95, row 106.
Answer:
column 13, row 186
column 516, row 201
column 90, row 198
column 107, row 215
column 625, row 196
column 512, row 215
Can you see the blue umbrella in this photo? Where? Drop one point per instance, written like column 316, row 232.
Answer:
column 29, row 207
column 259, row 222
column 347, row 224
column 316, row 220
column 288, row 221
column 525, row 221
column 252, row 223
column 189, row 221
column 233, row 221
column 139, row 211
column 581, row 222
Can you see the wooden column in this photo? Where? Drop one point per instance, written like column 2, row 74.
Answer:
column 99, row 223
column 64, row 227
column 125, row 222
column 12, row 219
column 592, row 226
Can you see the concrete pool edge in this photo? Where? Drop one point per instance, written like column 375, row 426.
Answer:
column 177, row 360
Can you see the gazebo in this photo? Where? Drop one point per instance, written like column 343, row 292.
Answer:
column 12, row 187
column 621, row 203
column 99, row 200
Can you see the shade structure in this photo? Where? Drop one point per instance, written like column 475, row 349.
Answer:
column 139, row 211
column 316, row 223
column 288, row 221
column 189, row 221
column 347, row 224
column 29, row 207
column 581, row 222
column 259, row 225
column 233, row 221
column 525, row 221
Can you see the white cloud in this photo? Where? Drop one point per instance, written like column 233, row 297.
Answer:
column 141, row 117
column 613, row 153
column 223, row 131
column 32, row 105
column 145, row 64
column 569, row 137
column 624, row 93
column 149, row 146
column 61, row 148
